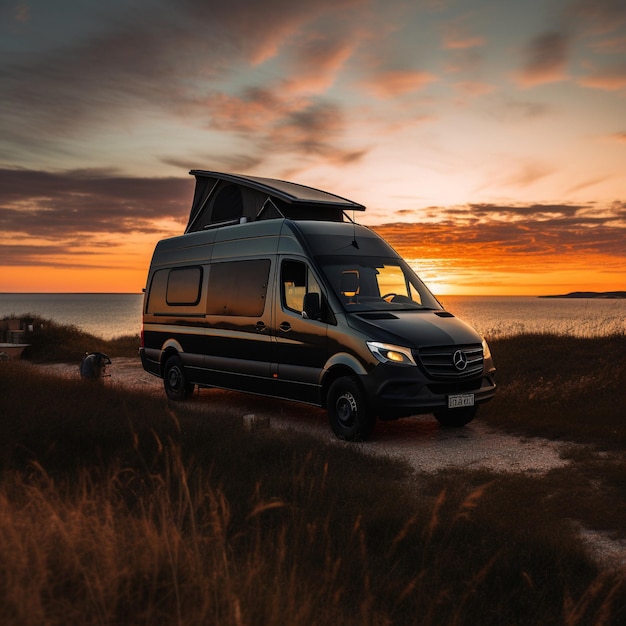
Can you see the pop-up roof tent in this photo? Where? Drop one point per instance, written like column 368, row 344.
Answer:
column 221, row 199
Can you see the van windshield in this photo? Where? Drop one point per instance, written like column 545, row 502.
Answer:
column 367, row 283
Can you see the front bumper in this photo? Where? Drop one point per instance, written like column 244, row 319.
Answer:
column 394, row 391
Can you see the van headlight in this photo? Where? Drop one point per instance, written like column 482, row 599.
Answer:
column 486, row 350
column 388, row 353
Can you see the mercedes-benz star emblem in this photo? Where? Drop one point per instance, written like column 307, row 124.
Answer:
column 460, row 360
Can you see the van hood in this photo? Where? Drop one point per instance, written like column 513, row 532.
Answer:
column 415, row 329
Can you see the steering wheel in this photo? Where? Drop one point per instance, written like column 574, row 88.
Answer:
column 391, row 295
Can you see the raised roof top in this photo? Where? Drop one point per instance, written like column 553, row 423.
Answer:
column 222, row 198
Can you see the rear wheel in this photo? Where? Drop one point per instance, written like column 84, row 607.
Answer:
column 455, row 418
column 350, row 419
column 177, row 387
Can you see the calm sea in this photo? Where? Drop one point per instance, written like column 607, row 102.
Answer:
column 111, row 315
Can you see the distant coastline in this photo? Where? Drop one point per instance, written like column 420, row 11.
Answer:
column 591, row 294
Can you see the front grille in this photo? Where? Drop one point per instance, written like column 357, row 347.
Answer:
column 439, row 362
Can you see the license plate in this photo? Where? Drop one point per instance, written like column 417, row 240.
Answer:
column 460, row 400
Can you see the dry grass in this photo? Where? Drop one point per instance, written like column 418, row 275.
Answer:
column 116, row 508
column 561, row 387
column 52, row 342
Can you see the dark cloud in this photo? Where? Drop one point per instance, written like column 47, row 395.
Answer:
column 595, row 17
column 56, row 206
column 26, row 255
column 272, row 124
column 545, row 59
column 514, row 231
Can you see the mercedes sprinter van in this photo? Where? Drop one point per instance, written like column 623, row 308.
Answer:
column 274, row 290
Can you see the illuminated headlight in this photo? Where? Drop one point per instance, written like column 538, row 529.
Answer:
column 388, row 353
column 486, row 350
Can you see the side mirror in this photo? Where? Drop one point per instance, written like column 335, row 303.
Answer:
column 312, row 308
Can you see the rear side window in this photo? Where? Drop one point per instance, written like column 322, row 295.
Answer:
column 238, row 288
column 183, row 286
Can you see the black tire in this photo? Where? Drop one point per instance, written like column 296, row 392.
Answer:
column 350, row 419
column 177, row 387
column 455, row 418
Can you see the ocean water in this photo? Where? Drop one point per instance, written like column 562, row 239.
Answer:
column 112, row 315
column 499, row 316
column 105, row 315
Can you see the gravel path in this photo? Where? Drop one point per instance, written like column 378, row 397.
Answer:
column 418, row 440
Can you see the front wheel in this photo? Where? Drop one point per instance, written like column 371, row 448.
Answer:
column 455, row 418
column 175, row 380
column 350, row 419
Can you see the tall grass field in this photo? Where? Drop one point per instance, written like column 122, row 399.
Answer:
column 119, row 508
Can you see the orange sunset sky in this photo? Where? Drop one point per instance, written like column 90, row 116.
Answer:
column 487, row 139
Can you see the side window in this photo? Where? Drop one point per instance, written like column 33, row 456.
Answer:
column 295, row 281
column 176, row 291
column 238, row 288
column 156, row 295
column 183, row 286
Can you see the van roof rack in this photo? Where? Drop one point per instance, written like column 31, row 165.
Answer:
column 222, row 198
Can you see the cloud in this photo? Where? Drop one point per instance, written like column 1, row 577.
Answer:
column 394, row 83
column 250, row 111
column 273, row 124
column 620, row 137
column 474, row 88
column 587, row 183
column 457, row 35
column 614, row 45
column 545, row 60
column 315, row 130
column 159, row 57
column 597, row 17
column 607, row 79
column 521, row 173
column 71, row 218
column 316, row 60
column 61, row 255
column 62, row 205
column 511, row 231
column 520, row 110
column 190, row 63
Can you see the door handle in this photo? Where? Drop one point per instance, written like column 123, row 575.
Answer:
column 285, row 326
column 259, row 327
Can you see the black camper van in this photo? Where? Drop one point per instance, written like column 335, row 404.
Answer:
column 273, row 289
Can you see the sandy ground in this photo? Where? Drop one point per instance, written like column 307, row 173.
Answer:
column 419, row 441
